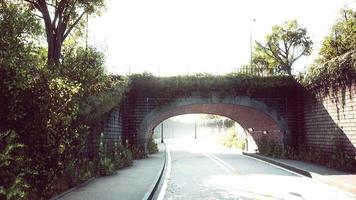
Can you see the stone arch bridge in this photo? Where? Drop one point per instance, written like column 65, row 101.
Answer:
column 274, row 110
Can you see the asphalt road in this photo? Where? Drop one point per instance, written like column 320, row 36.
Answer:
column 203, row 171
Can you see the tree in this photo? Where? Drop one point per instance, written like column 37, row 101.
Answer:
column 18, row 60
column 342, row 37
column 286, row 44
column 60, row 17
column 263, row 63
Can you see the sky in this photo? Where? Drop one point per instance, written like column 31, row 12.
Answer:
column 176, row 37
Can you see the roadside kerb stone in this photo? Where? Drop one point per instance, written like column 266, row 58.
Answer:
column 152, row 189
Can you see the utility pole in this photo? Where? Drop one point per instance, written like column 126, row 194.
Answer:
column 162, row 132
column 254, row 20
column 195, row 126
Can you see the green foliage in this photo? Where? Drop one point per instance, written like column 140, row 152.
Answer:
column 122, row 156
column 12, row 167
column 218, row 121
column 18, row 29
column 107, row 166
column 51, row 134
column 342, row 37
column 231, row 83
column 335, row 68
column 138, row 152
column 284, row 45
column 151, row 146
column 106, row 161
column 234, row 141
column 269, row 147
column 339, row 72
column 101, row 93
column 112, row 158
column 49, row 109
column 340, row 159
column 60, row 18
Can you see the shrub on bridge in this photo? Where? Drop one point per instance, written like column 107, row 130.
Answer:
column 235, row 83
column 333, row 75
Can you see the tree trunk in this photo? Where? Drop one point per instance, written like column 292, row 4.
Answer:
column 55, row 42
column 54, row 51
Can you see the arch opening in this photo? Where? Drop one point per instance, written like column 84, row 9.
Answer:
column 213, row 130
column 256, row 124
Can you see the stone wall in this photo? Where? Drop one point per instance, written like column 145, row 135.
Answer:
column 330, row 120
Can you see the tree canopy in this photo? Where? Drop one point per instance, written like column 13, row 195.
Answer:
column 60, row 17
column 342, row 37
column 284, row 45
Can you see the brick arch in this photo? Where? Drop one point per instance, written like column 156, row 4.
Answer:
column 247, row 112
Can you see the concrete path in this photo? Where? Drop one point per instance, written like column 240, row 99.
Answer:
column 132, row 183
column 337, row 178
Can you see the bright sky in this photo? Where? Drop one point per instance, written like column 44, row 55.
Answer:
column 168, row 37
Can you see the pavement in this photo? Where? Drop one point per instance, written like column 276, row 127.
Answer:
column 340, row 179
column 132, row 183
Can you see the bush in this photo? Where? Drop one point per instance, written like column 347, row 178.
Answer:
column 138, row 152
column 232, row 140
column 202, row 84
column 122, row 156
column 112, row 158
column 152, row 146
column 12, row 167
column 269, row 147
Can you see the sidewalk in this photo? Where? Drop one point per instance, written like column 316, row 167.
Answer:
column 336, row 178
column 132, row 183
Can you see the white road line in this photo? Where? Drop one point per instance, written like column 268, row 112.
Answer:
column 223, row 162
column 276, row 166
column 167, row 176
column 223, row 165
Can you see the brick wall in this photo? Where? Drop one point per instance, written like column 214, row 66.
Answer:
column 330, row 121
column 110, row 126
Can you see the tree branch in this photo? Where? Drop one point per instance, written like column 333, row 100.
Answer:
column 73, row 25
column 36, row 4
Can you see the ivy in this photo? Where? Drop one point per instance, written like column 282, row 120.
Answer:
column 335, row 74
column 244, row 84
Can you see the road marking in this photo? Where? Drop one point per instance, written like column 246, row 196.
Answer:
column 276, row 166
column 225, row 166
column 167, row 176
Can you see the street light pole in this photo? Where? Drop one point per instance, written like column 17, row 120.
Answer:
column 195, row 126
column 254, row 20
column 162, row 132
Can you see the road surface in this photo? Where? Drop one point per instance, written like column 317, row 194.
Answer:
column 203, row 171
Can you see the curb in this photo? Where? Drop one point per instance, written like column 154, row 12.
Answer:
column 280, row 164
column 315, row 176
column 72, row 189
column 152, row 189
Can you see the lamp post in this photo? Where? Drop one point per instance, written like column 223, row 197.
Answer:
column 195, row 126
column 254, row 20
column 162, row 132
